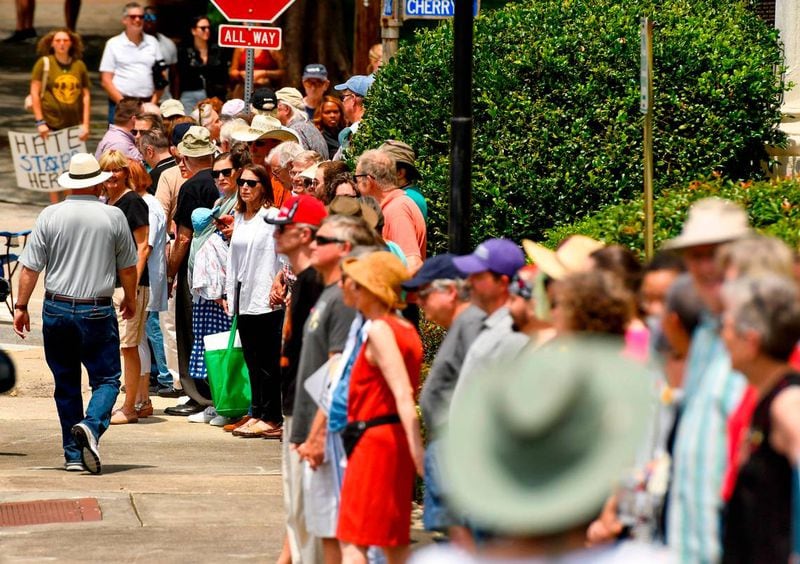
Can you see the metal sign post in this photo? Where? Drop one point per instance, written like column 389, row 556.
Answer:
column 646, row 107
column 249, row 65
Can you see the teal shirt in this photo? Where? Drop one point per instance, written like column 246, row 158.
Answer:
column 414, row 193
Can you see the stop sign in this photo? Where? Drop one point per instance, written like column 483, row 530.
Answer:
column 265, row 11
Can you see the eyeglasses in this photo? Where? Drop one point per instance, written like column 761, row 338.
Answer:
column 150, row 17
column 260, row 143
column 247, row 182
column 360, row 176
column 226, row 172
column 135, row 16
column 310, row 182
column 203, row 27
column 322, row 240
column 137, row 132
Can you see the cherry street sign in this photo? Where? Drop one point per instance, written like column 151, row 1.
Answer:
column 252, row 37
column 261, row 11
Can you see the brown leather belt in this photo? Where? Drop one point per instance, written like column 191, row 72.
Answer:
column 81, row 301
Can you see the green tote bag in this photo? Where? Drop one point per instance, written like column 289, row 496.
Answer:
column 227, row 373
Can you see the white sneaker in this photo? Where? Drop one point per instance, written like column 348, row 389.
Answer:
column 204, row 416
column 220, row 421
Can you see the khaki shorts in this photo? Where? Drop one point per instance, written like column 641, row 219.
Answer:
column 131, row 330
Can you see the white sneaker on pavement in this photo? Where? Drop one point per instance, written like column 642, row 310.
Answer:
column 204, row 416
column 221, row 421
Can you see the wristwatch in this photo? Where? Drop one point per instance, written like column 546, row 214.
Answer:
column 21, row 307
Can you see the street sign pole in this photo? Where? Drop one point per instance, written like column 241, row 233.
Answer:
column 391, row 23
column 459, row 227
column 646, row 107
column 249, row 65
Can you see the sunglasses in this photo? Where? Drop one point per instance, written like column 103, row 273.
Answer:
column 322, row 240
column 309, row 182
column 150, row 17
column 136, row 16
column 203, row 27
column 137, row 132
column 247, row 182
column 226, row 172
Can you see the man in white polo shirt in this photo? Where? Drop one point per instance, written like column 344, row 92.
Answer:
column 126, row 69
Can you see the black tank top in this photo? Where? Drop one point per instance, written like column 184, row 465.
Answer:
column 759, row 513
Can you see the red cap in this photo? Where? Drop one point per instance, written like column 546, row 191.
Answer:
column 300, row 209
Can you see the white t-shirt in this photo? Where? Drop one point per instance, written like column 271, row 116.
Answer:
column 157, row 261
column 131, row 64
column 252, row 261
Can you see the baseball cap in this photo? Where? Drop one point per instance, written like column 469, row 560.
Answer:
column 291, row 96
column 440, row 267
column 315, row 70
column 300, row 209
column 357, row 84
column 501, row 256
column 178, row 132
column 171, row 108
column 264, row 99
column 232, row 107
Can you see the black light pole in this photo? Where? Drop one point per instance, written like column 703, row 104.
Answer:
column 461, row 131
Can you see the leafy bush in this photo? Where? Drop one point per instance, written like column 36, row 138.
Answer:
column 771, row 205
column 557, row 127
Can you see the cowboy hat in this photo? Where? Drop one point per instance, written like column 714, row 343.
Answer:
column 265, row 127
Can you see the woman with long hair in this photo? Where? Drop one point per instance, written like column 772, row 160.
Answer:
column 252, row 266
column 329, row 119
column 202, row 67
column 59, row 90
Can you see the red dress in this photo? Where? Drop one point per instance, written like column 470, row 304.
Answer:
column 378, row 486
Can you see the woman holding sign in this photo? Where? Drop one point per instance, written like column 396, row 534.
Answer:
column 60, row 95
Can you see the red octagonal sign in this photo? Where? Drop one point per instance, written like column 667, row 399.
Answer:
column 263, row 11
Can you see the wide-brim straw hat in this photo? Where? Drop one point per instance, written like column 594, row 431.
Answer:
column 711, row 221
column 381, row 273
column 570, row 257
column 84, row 172
column 535, row 446
column 265, row 127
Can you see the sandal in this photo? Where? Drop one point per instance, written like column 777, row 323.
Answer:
column 144, row 409
column 254, row 430
column 118, row 417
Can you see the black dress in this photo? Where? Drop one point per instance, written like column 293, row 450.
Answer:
column 759, row 514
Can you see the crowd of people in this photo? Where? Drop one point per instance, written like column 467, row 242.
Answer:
column 580, row 402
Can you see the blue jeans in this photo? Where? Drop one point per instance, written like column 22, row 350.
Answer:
column 74, row 335
column 436, row 515
column 152, row 329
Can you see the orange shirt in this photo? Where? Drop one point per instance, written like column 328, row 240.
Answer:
column 403, row 224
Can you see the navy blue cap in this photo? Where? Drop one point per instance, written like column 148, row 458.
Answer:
column 440, row 267
column 179, row 131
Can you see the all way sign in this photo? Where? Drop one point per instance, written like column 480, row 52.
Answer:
column 252, row 37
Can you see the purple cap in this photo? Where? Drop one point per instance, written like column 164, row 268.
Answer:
column 357, row 84
column 501, row 256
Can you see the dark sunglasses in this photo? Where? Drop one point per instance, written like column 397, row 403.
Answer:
column 248, row 182
column 259, row 143
column 136, row 16
column 226, row 172
column 203, row 27
column 150, row 17
column 322, row 240
column 309, row 182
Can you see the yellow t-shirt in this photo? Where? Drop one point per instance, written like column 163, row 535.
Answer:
column 62, row 103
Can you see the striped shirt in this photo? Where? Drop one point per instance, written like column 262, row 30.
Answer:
column 712, row 391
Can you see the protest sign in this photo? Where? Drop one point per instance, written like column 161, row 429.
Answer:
column 38, row 163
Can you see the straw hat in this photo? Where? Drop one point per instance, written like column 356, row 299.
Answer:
column 355, row 207
column 265, row 127
column 711, row 221
column 534, row 447
column 84, row 172
column 291, row 96
column 570, row 257
column 381, row 273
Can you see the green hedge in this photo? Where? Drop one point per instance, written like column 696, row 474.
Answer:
column 773, row 208
column 557, row 127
